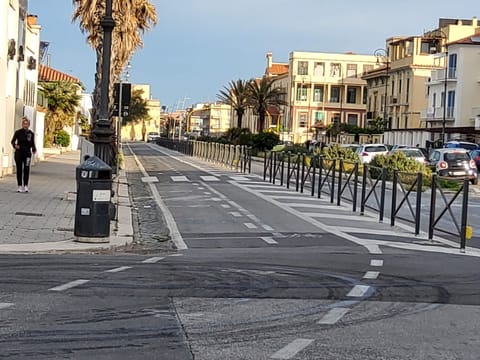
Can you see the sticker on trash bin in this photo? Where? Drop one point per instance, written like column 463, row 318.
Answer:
column 85, row 211
column 101, row 195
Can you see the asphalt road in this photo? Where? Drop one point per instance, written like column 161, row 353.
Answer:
column 258, row 276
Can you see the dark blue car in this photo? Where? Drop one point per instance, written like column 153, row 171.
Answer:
column 475, row 155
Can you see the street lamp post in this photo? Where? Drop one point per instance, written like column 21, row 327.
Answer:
column 103, row 132
column 382, row 53
column 445, row 77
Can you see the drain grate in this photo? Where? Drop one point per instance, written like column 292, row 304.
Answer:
column 27, row 213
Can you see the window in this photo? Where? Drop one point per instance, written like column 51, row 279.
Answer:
column 352, row 119
column 319, row 69
column 302, row 119
column 351, row 95
column 407, row 90
column 319, row 116
column 442, row 99
column 393, row 87
column 409, row 45
column 335, row 94
column 352, row 70
column 367, row 68
column 302, row 68
column 365, row 95
column 301, row 93
column 335, row 69
column 318, row 93
column 451, row 103
column 452, row 66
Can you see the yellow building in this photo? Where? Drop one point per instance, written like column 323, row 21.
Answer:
column 137, row 131
column 211, row 119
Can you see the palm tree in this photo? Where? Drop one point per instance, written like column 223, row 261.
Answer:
column 132, row 17
column 63, row 99
column 262, row 94
column 235, row 95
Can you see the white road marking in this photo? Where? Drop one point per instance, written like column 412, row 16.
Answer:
column 333, row 316
column 118, row 269
column 269, row 240
column 209, row 178
column 340, row 216
column 373, row 249
column 216, row 199
column 239, row 178
column 176, row 255
column 358, row 290
column 268, row 228
column 179, row 178
column 225, row 206
column 152, row 260
column 253, row 217
column 292, row 349
column 69, row 285
column 169, row 219
column 376, row 262
column 235, row 213
column 318, row 206
column 250, row 225
column 371, row 275
column 207, row 193
column 6, row 305
column 149, row 179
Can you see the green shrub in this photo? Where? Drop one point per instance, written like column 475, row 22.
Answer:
column 336, row 152
column 265, row 140
column 62, row 138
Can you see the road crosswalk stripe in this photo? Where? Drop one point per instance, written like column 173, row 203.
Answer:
column 333, row 316
column 6, row 305
column 209, row 178
column 69, row 285
column 179, row 178
column 292, row 349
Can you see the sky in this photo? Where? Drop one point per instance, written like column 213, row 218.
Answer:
column 199, row 46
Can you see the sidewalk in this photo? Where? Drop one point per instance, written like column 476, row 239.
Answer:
column 43, row 219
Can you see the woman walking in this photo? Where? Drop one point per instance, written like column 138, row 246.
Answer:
column 23, row 142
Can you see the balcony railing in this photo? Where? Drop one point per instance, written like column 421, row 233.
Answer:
column 436, row 114
column 439, row 74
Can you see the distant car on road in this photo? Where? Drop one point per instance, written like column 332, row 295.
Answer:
column 454, row 163
column 366, row 152
column 457, row 144
column 153, row 136
column 414, row 153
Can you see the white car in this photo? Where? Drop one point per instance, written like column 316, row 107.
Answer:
column 366, row 152
column 153, row 136
column 410, row 152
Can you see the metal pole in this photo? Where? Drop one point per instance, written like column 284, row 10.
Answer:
column 103, row 132
column 445, row 94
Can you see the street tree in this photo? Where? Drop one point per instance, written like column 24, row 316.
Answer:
column 63, row 99
column 132, row 18
column 262, row 94
column 236, row 95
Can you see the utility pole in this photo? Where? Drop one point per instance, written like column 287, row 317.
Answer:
column 103, row 131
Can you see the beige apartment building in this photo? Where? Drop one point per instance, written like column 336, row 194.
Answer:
column 322, row 88
column 398, row 92
column 210, row 119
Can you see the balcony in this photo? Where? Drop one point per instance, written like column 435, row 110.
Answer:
column 439, row 75
column 436, row 114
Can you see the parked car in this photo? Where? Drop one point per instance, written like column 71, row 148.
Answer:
column 414, row 153
column 152, row 136
column 454, row 163
column 457, row 144
column 366, row 152
column 475, row 155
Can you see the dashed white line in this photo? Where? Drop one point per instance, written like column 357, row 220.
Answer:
column 376, row 262
column 209, row 178
column 152, row 260
column 371, row 275
column 69, row 285
column 250, row 225
column 235, row 213
column 333, row 316
column 358, row 290
column 176, row 255
column 292, row 349
column 118, row 269
column 269, row 240
column 6, row 305
column 179, row 178
column 225, row 206
column 268, row 228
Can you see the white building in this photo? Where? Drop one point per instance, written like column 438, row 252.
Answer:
column 457, row 111
column 19, row 49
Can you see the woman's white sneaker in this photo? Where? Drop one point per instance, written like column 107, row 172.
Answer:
column 26, row 189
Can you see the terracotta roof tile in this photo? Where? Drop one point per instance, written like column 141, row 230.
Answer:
column 277, row 69
column 46, row 73
column 471, row 40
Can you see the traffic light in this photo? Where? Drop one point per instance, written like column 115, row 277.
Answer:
column 126, row 98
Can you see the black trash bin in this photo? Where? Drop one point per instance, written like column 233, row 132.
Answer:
column 94, row 193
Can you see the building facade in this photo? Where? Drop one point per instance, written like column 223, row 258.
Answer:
column 19, row 49
column 322, row 89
